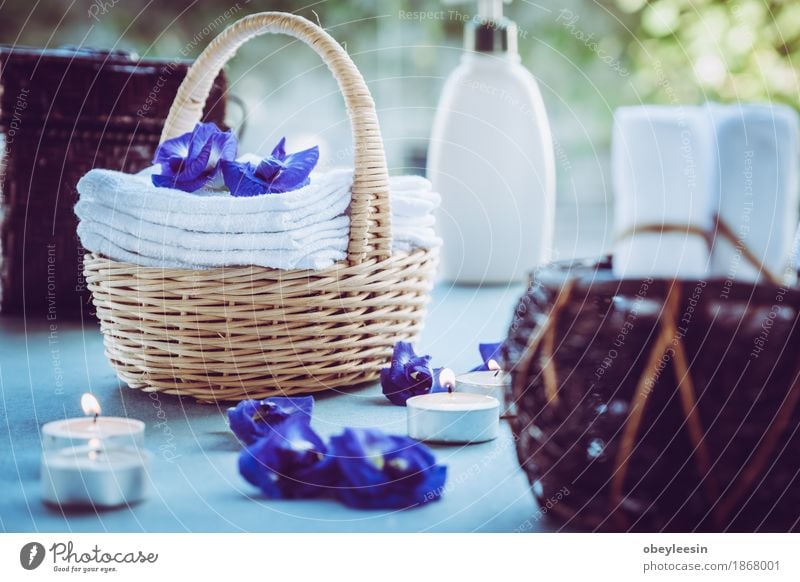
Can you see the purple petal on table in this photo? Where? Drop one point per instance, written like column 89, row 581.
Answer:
column 290, row 462
column 380, row 471
column 252, row 419
column 407, row 375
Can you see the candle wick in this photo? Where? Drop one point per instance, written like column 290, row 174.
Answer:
column 95, row 417
column 449, row 388
column 496, row 372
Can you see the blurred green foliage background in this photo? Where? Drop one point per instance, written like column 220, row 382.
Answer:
column 590, row 56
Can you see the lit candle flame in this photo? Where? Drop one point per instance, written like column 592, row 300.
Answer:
column 492, row 365
column 447, row 378
column 90, row 405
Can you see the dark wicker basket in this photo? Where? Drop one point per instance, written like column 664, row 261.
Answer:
column 62, row 113
column 658, row 405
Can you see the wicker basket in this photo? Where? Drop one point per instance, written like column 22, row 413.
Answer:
column 658, row 405
column 58, row 122
column 250, row 332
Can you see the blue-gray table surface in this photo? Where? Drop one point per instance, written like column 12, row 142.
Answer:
column 194, row 483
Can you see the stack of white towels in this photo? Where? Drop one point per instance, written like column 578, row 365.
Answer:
column 679, row 168
column 126, row 218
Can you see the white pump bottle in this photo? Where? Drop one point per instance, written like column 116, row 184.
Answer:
column 491, row 159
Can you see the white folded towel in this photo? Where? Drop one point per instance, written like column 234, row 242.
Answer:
column 318, row 255
column 111, row 223
column 126, row 218
column 661, row 163
column 755, row 183
column 326, row 197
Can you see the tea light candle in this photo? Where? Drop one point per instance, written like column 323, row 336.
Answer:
column 93, row 461
column 453, row 417
column 493, row 382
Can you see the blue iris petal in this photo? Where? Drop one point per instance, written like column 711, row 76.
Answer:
column 202, row 134
column 253, row 419
column 290, row 462
column 295, row 171
column 362, row 467
column 380, row 471
column 175, row 148
column 274, row 174
column 490, row 351
column 279, row 151
column 241, row 178
column 407, row 375
column 190, row 161
column 268, row 169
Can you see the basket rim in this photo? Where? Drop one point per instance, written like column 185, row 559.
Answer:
column 339, row 268
column 594, row 276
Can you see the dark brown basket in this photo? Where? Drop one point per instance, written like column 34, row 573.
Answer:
column 658, row 405
column 62, row 113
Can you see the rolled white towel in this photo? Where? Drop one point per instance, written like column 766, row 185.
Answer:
column 661, row 163
column 755, row 185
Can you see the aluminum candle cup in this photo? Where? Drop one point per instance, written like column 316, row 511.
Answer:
column 93, row 462
column 453, row 417
column 489, row 383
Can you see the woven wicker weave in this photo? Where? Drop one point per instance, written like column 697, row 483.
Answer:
column 249, row 332
column 656, row 405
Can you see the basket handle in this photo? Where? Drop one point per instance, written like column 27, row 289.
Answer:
column 370, row 215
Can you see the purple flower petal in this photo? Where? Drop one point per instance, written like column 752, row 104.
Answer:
column 224, row 147
column 178, row 182
column 241, row 179
column 201, row 135
column 252, row 419
column 296, row 169
column 268, row 169
column 380, row 471
column 490, row 351
column 291, row 462
column 191, row 161
column 407, row 375
column 177, row 147
column 274, row 174
column 279, row 151
column 197, row 163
